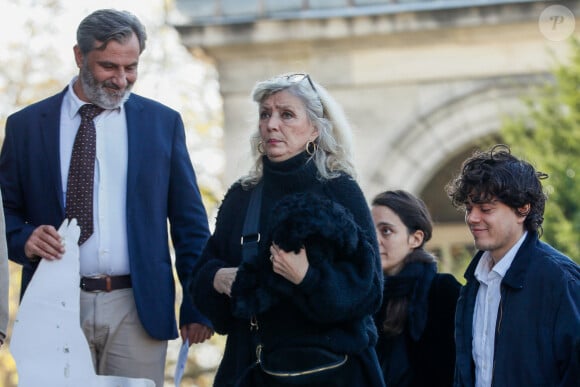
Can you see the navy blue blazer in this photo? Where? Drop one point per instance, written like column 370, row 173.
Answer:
column 161, row 186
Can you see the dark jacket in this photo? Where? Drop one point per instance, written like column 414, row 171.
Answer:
column 537, row 340
column 334, row 304
column 424, row 353
column 161, row 187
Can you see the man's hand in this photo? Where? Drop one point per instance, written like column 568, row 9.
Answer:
column 44, row 242
column 196, row 333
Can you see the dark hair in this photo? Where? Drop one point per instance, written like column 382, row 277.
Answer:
column 411, row 210
column 496, row 173
column 105, row 25
column 415, row 216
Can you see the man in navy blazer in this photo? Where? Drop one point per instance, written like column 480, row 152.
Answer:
column 143, row 179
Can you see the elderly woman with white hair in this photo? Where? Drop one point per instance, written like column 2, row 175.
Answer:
column 292, row 272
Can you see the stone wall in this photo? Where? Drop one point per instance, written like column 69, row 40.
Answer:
column 422, row 89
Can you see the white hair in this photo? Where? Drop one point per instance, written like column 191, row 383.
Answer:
column 333, row 154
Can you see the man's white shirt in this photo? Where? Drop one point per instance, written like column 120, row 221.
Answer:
column 106, row 251
column 486, row 310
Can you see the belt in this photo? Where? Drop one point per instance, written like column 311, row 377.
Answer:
column 105, row 283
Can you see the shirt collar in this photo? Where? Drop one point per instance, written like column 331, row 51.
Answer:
column 71, row 102
column 504, row 264
column 484, row 268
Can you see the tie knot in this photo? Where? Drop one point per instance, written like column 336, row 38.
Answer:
column 90, row 111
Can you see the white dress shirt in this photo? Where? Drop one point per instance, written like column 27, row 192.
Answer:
column 486, row 310
column 106, row 251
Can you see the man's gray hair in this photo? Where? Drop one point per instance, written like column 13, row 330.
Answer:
column 105, row 25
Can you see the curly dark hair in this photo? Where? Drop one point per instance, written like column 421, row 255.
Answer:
column 497, row 174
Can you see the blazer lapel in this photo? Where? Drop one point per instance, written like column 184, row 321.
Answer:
column 133, row 113
column 50, row 129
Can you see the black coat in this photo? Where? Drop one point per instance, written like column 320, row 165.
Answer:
column 332, row 307
column 424, row 353
column 537, row 340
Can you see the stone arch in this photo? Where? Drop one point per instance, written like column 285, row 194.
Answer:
column 430, row 148
column 461, row 118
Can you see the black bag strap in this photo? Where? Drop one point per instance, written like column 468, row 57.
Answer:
column 251, row 231
column 250, row 239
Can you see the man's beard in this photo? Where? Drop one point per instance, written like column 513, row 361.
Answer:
column 97, row 94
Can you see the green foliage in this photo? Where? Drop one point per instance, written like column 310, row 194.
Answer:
column 549, row 137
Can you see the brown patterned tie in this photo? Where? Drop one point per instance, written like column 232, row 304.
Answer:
column 81, row 172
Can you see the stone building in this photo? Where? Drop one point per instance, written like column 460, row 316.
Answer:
column 423, row 82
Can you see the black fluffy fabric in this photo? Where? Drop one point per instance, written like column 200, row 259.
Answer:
column 325, row 228
column 309, row 220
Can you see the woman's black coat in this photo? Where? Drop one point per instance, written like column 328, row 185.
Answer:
column 424, row 353
column 332, row 307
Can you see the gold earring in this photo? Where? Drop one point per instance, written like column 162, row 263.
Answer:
column 261, row 147
column 311, row 147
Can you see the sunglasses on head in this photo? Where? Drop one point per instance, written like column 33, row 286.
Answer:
column 299, row 77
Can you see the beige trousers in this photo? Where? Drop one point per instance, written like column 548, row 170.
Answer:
column 119, row 345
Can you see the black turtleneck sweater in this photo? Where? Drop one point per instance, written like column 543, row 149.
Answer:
column 334, row 304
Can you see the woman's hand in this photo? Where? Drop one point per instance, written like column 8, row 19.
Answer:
column 223, row 280
column 289, row 265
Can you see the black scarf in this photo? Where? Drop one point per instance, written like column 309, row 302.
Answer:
column 413, row 282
